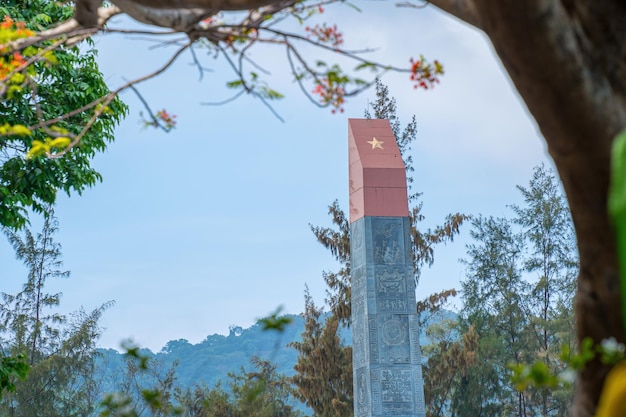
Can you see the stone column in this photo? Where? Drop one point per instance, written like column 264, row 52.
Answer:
column 386, row 353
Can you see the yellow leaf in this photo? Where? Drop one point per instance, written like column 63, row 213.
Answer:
column 18, row 78
column 12, row 90
column 29, row 51
column 100, row 108
column 37, row 149
column 20, row 130
column 59, row 143
column 58, row 129
column 50, row 57
column 613, row 397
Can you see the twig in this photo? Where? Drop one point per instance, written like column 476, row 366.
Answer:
column 299, row 79
column 105, row 100
column 196, row 62
column 424, row 4
column 155, row 121
column 228, row 100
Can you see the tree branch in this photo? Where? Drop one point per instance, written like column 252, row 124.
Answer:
column 215, row 5
column 461, row 9
column 167, row 13
column 178, row 19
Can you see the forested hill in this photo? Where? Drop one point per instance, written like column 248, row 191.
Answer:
column 212, row 359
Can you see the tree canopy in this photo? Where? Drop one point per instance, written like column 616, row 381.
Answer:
column 32, row 94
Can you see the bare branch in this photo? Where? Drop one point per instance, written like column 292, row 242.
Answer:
column 101, row 105
column 346, row 53
column 236, row 38
column 246, row 87
column 268, row 105
column 104, row 14
column 109, row 97
column 70, row 31
column 422, row 5
column 205, row 4
column 142, row 32
column 197, row 63
column 228, row 100
column 299, row 79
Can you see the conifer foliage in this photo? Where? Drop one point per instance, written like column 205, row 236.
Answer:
column 517, row 313
column 58, row 349
column 324, row 367
column 262, row 392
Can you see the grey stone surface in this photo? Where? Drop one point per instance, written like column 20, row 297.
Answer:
column 386, row 353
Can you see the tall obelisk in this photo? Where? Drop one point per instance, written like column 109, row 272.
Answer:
column 386, row 353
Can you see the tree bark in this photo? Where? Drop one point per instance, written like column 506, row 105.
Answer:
column 567, row 60
column 176, row 14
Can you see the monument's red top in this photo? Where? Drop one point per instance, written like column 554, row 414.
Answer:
column 377, row 174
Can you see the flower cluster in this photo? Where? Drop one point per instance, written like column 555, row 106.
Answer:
column 11, row 61
column 424, row 74
column 325, row 34
column 167, row 119
column 213, row 20
column 11, row 30
column 330, row 94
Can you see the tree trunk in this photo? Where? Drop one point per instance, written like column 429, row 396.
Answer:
column 567, row 60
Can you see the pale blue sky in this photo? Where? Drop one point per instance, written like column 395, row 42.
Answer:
column 207, row 226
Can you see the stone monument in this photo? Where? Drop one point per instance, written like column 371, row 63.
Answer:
column 387, row 362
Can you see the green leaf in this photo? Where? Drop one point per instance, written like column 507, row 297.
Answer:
column 234, row 84
column 365, row 65
column 275, row 321
column 42, row 18
column 617, row 208
column 271, row 94
column 617, row 191
column 12, row 367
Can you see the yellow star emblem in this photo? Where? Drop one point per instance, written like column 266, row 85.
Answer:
column 376, row 144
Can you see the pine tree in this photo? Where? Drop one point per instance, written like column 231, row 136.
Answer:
column 549, row 234
column 60, row 350
column 262, row 392
column 324, row 367
column 26, row 316
column 518, row 296
column 494, row 296
column 450, row 361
